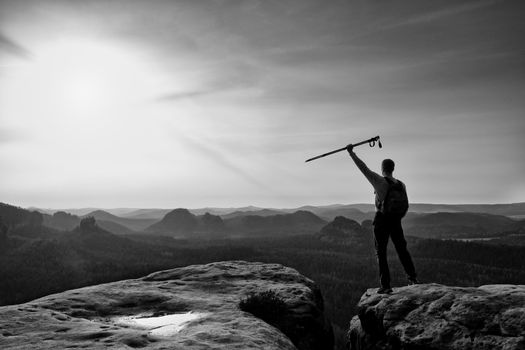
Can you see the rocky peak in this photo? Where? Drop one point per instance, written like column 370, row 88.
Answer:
column 347, row 225
column 88, row 225
column 211, row 222
column 433, row 316
column 177, row 221
column 180, row 217
column 344, row 231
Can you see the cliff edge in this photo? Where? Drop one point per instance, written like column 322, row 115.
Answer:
column 193, row 307
column 433, row 316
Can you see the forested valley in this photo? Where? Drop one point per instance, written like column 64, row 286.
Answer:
column 36, row 260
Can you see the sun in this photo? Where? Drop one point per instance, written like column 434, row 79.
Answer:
column 81, row 76
column 82, row 112
column 83, row 87
column 71, row 81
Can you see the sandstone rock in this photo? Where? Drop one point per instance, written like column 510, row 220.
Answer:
column 433, row 316
column 345, row 231
column 98, row 317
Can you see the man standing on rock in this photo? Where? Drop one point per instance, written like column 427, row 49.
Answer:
column 392, row 204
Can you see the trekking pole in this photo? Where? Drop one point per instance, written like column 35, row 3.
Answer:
column 371, row 142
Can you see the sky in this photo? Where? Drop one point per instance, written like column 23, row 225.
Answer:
column 195, row 103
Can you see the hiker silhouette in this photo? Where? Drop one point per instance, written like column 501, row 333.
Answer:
column 392, row 204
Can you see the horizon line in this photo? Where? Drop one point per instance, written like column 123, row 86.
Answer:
column 249, row 205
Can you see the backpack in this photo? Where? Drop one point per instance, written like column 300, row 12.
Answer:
column 396, row 199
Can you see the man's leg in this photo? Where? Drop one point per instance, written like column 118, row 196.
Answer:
column 398, row 238
column 381, row 242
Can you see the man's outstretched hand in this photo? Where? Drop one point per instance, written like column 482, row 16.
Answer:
column 350, row 148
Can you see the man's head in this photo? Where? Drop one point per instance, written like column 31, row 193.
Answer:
column 387, row 166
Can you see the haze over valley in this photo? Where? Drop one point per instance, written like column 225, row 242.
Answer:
column 47, row 251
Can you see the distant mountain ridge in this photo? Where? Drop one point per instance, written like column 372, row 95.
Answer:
column 259, row 212
column 460, row 225
column 65, row 222
column 362, row 211
column 184, row 224
column 146, row 214
column 83, row 211
column 132, row 224
column 421, row 221
column 358, row 212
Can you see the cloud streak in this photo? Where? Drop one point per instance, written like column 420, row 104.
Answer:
column 219, row 158
column 394, row 22
column 176, row 96
column 10, row 46
column 225, row 76
column 447, row 12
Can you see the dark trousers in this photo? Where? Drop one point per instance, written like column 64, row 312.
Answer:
column 385, row 227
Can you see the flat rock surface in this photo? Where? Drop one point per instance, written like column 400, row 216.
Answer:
column 98, row 317
column 433, row 316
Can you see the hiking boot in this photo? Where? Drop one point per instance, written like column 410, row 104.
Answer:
column 385, row 290
column 412, row 281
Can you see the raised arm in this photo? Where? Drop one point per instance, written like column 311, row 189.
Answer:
column 374, row 178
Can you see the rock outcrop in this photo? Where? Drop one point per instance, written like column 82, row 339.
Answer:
column 344, row 231
column 181, row 223
column 142, row 313
column 433, row 316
